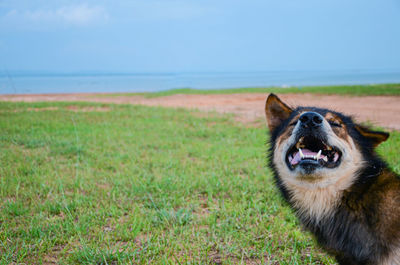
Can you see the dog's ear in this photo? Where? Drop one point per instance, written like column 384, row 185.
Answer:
column 376, row 137
column 276, row 111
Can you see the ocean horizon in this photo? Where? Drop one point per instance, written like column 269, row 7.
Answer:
column 114, row 82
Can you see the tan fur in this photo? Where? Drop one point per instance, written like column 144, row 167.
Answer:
column 316, row 201
column 365, row 229
column 393, row 258
column 339, row 131
column 276, row 111
column 317, row 195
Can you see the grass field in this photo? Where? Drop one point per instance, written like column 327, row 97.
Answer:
column 118, row 184
column 352, row 90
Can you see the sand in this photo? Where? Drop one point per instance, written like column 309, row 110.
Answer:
column 249, row 107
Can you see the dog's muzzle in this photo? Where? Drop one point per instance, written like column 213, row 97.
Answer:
column 311, row 150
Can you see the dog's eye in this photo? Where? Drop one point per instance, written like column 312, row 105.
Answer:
column 335, row 124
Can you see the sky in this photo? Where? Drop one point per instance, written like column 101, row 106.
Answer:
column 199, row 36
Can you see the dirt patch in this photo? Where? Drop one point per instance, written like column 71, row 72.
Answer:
column 141, row 240
column 249, row 108
column 104, row 186
column 120, row 247
column 203, row 211
column 88, row 109
column 53, row 256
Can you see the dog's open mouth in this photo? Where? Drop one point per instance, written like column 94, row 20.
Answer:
column 311, row 151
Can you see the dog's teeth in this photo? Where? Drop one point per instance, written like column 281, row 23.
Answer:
column 300, row 143
column 325, row 159
column 318, row 155
column 301, row 153
column 336, row 157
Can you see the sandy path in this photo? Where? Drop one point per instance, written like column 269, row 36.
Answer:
column 380, row 110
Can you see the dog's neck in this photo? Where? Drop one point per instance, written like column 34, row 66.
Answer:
column 314, row 202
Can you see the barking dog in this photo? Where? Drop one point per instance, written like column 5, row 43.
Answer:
column 326, row 168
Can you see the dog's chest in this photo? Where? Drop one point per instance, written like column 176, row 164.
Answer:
column 314, row 203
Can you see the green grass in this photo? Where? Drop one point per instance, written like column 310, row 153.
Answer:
column 353, row 90
column 143, row 185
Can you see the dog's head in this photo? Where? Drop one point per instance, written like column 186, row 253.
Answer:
column 318, row 147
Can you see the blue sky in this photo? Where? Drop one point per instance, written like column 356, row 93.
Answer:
column 202, row 35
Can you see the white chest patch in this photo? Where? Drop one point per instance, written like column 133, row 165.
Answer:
column 316, row 202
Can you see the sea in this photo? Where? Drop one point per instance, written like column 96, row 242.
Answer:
column 114, row 82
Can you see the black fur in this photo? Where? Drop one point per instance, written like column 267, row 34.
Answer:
column 351, row 233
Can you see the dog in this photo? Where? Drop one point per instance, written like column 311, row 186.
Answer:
column 326, row 167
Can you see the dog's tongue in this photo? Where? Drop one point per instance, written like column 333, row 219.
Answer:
column 296, row 159
column 307, row 152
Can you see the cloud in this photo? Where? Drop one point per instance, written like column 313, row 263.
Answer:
column 72, row 15
column 166, row 9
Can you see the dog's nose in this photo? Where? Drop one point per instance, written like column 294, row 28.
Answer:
column 311, row 119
